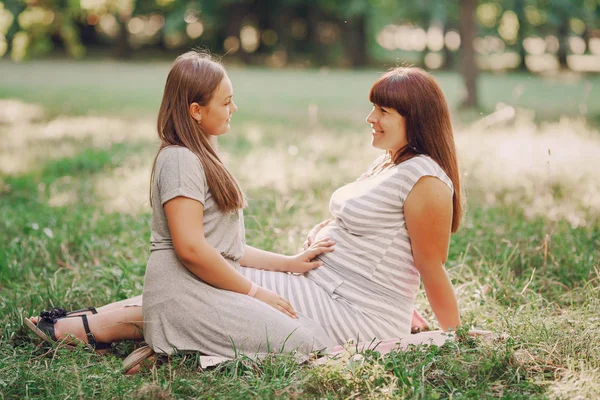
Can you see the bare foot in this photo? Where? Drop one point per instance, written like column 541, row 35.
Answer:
column 418, row 323
column 144, row 366
column 141, row 359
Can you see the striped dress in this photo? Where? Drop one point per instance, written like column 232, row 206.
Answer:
column 366, row 288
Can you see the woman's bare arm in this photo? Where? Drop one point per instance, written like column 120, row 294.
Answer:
column 185, row 218
column 261, row 259
column 299, row 263
column 428, row 214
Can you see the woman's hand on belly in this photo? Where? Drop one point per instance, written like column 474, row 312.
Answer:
column 305, row 260
column 312, row 234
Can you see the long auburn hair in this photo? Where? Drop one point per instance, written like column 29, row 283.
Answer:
column 415, row 95
column 194, row 77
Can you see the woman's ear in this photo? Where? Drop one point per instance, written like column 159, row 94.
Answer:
column 196, row 111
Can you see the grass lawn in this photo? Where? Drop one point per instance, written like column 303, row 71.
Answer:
column 77, row 88
column 74, row 229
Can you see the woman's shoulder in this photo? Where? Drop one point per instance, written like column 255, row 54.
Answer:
column 421, row 162
column 423, row 165
column 174, row 151
column 177, row 153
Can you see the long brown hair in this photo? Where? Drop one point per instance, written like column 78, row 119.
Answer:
column 415, row 95
column 194, row 77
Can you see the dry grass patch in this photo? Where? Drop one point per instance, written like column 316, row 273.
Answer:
column 549, row 171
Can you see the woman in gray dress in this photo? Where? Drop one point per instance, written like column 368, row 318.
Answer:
column 195, row 298
column 205, row 290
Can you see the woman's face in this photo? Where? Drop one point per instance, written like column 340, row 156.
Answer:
column 215, row 116
column 389, row 128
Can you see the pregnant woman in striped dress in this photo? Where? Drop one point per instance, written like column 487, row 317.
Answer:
column 390, row 228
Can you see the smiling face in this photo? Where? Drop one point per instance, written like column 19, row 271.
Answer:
column 214, row 118
column 388, row 128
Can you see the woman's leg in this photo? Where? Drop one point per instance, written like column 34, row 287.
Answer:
column 133, row 301
column 418, row 322
column 124, row 323
column 122, row 320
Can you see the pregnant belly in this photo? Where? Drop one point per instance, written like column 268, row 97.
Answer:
column 328, row 230
column 352, row 255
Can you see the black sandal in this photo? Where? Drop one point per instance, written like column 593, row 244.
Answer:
column 92, row 309
column 45, row 326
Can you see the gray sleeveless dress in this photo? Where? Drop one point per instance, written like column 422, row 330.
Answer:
column 181, row 312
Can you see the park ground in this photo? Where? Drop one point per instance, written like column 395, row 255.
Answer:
column 76, row 144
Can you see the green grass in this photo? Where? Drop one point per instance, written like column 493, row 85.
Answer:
column 75, row 88
column 74, row 229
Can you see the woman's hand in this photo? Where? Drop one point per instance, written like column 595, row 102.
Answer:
column 276, row 301
column 310, row 238
column 303, row 262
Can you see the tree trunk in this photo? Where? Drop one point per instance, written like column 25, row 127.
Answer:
column 235, row 15
column 587, row 36
column 520, row 11
column 282, row 25
column 121, row 47
column 423, row 53
column 263, row 10
column 88, row 34
column 354, row 41
column 315, row 16
column 468, row 30
column 563, row 36
column 448, row 63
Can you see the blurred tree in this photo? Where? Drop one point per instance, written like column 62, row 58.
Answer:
column 327, row 32
column 422, row 14
column 561, row 13
column 330, row 22
column 523, row 28
column 448, row 16
column 233, row 14
column 316, row 20
column 468, row 32
column 35, row 24
column 353, row 17
column 591, row 17
column 436, row 17
column 519, row 8
column 9, row 9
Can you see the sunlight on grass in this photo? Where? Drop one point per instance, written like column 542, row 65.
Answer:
column 299, row 160
column 576, row 384
column 63, row 192
column 550, row 171
column 125, row 189
column 16, row 111
column 26, row 145
column 355, row 376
